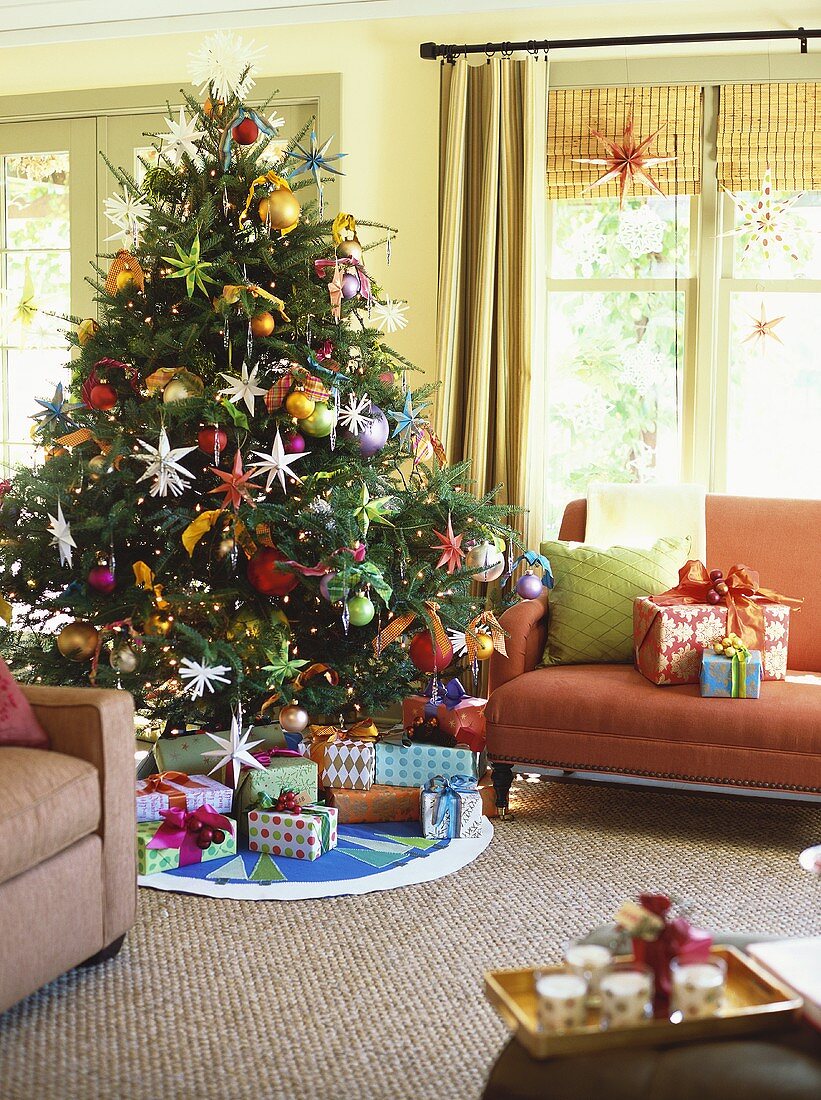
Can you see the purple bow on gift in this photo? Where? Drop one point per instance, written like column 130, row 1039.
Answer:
column 451, row 694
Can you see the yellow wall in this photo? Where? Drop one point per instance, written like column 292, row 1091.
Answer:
column 389, row 100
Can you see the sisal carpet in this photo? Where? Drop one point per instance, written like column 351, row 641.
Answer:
column 380, row 997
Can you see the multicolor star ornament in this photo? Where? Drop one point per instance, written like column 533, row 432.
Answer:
column 450, row 546
column 763, row 329
column 234, row 750
column 373, row 510
column 277, row 464
column 762, row 219
column 626, row 161
column 243, row 388
column 163, row 465
column 409, row 420
column 201, row 676
column 60, row 531
column 236, row 484
column 191, row 268
column 56, row 411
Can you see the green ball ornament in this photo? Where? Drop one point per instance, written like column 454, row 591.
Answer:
column 321, row 421
column 360, row 610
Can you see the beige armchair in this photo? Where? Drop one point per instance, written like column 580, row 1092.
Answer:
column 67, row 839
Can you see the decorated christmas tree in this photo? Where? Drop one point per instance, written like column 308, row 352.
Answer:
column 239, row 498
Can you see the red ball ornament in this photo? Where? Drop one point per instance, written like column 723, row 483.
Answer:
column 218, row 837
column 102, row 397
column 203, row 839
column 713, row 596
column 245, row 132
column 427, row 656
column 193, row 825
column 264, row 576
column 211, row 440
column 716, row 575
column 101, row 579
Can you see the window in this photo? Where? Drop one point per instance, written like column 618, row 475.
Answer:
column 679, row 345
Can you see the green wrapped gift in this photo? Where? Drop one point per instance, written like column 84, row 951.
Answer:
column 150, row 861
column 184, row 752
column 282, row 772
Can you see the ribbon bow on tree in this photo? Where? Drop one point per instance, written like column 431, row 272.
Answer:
column 344, row 264
column 300, row 680
column 744, row 599
column 271, row 179
column 296, row 377
column 532, row 559
column 397, row 627
column 227, row 137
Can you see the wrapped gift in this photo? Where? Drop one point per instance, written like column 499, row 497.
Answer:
column 283, row 770
column 658, row 937
column 345, row 756
column 184, row 752
column 457, row 712
column 732, row 673
column 383, row 803
column 184, row 837
column 307, row 835
column 403, row 764
column 669, row 640
column 451, row 808
column 180, row 791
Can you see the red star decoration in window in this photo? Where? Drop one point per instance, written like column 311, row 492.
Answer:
column 626, row 161
column 236, row 484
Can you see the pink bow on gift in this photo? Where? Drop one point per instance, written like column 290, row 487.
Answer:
column 265, row 756
column 175, row 831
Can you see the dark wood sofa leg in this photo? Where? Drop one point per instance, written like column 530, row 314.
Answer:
column 502, row 780
column 106, row 953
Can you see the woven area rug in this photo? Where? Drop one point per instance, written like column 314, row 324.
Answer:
column 380, row 997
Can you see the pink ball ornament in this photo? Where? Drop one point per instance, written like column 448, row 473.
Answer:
column 529, row 586
column 294, row 444
column 102, row 580
column 350, row 284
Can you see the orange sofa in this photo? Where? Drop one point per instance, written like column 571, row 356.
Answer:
column 609, row 718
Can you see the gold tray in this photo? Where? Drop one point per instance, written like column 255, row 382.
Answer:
column 754, row 1001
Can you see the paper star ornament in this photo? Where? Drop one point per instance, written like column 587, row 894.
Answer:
column 627, row 161
column 283, row 668
column 390, row 315
column 408, row 420
column 236, row 484
column 224, row 65
column 234, row 750
column 56, row 411
column 163, row 466
column 315, row 160
column 450, row 546
column 277, row 464
column 373, row 510
column 763, row 329
column 191, row 267
column 128, row 212
column 60, row 531
column 335, row 292
column 244, row 388
column 201, row 676
column 355, row 414
column 458, row 641
column 181, row 140
column 763, row 220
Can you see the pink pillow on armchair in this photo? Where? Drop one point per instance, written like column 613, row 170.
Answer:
column 18, row 725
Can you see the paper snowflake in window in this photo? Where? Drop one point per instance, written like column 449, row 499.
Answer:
column 224, row 65
column 763, row 330
column 641, row 368
column 641, row 231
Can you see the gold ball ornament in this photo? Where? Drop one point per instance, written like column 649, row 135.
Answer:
column 78, row 640
column 85, row 330
column 280, row 209
column 54, row 452
column 299, row 405
column 159, row 624
column 484, row 646
column 182, row 387
column 351, row 249
column 98, row 466
column 262, row 324
column 293, row 718
column 124, row 280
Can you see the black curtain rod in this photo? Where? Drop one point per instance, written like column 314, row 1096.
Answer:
column 429, row 51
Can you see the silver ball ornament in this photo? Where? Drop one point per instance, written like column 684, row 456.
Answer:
column 487, row 557
column 123, row 658
column 293, row 718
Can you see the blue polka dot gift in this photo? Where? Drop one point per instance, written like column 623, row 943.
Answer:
column 403, row 764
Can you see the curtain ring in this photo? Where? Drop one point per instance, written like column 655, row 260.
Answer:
column 532, row 48
column 506, row 51
column 489, row 51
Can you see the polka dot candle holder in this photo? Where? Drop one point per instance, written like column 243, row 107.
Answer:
column 561, row 998
column 697, row 988
column 626, row 995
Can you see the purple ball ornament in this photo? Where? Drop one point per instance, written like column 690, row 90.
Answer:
column 102, row 580
column 294, row 444
column 529, row 586
column 323, row 586
column 374, row 437
column 350, row 284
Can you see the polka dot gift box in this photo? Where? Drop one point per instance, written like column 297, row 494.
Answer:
column 307, row 835
column 399, row 765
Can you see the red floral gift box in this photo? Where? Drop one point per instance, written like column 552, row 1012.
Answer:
column 670, row 631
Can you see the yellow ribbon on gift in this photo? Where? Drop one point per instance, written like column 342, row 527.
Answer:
column 364, row 730
column 144, row 578
column 279, row 183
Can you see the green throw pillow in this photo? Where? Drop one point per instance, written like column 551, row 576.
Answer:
column 591, row 604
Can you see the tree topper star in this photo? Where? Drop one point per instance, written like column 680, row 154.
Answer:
column 201, row 676
column 60, row 531
column 234, row 750
column 373, row 510
column 244, row 388
column 163, row 465
column 409, row 419
column 182, row 138
column 626, row 160
column 191, row 268
column 236, row 484
column 763, row 329
column 277, row 464
column 450, row 546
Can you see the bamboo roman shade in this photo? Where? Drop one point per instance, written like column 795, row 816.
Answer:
column 769, row 125
column 573, row 112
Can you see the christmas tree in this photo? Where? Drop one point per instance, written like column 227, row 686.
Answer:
column 240, row 499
